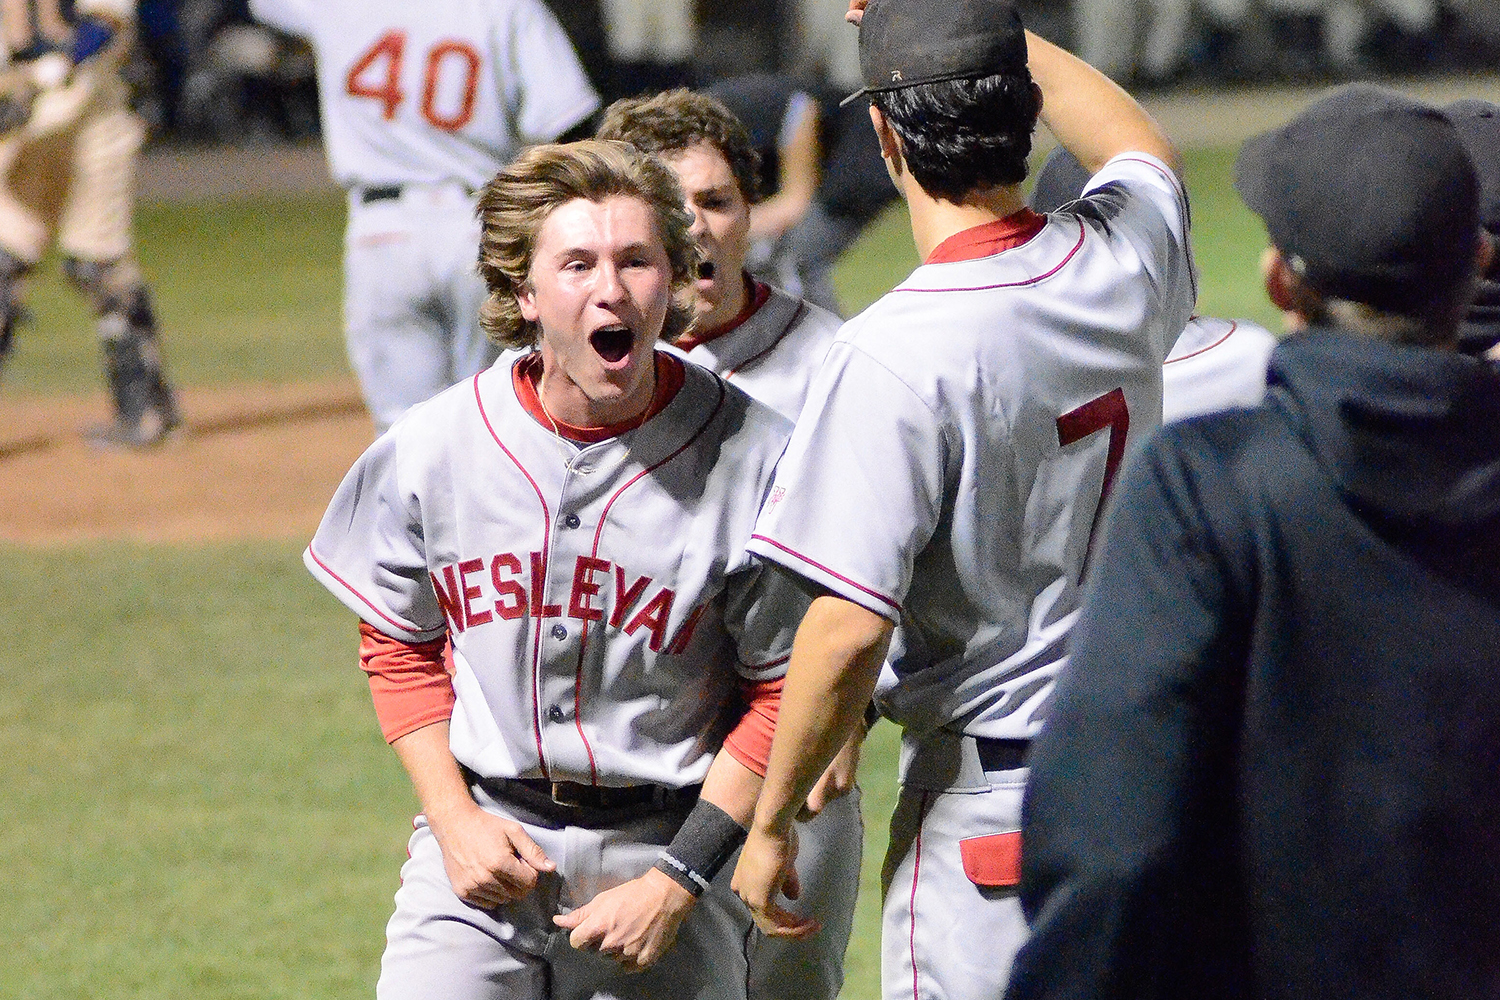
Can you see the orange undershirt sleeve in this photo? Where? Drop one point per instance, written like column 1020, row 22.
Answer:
column 749, row 742
column 410, row 683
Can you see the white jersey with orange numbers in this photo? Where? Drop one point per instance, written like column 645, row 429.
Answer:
column 441, row 90
column 599, row 598
column 773, row 353
column 951, row 464
column 1217, row 364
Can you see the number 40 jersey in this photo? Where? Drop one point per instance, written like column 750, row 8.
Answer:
column 436, row 91
column 956, row 448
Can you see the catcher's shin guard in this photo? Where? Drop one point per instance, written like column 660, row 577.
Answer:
column 12, row 269
column 145, row 406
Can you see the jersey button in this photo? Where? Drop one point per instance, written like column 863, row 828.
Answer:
column 559, row 632
column 555, row 713
column 571, row 521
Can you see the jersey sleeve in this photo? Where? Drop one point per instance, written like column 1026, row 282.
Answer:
column 859, row 492
column 553, row 91
column 368, row 551
column 1142, row 208
column 292, row 16
column 763, row 607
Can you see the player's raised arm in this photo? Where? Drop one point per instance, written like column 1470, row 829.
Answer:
column 1090, row 114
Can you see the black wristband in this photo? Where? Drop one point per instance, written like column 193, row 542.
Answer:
column 703, row 844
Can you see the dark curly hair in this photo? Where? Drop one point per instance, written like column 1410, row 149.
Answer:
column 959, row 136
column 677, row 120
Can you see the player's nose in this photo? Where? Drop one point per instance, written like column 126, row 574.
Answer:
column 700, row 222
column 608, row 288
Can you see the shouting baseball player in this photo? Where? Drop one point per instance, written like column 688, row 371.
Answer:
column 1215, row 364
column 421, row 104
column 68, row 147
column 769, row 344
column 575, row 524
column 951, row 463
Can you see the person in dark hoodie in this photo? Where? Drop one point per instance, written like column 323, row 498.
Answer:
column 1273, row 765
column 1478, row 122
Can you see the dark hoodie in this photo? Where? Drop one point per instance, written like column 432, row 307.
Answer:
column 1273, row 765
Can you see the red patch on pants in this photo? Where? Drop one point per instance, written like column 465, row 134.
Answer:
column 994, row 860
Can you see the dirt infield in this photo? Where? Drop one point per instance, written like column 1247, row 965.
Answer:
column 254, row 461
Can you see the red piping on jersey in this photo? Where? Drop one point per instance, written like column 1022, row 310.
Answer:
column 536, row 646
column 1082, row 233
column 757, row 294
column 1233, row 326
column 837, row 576
column 916, row 871
column 1182, row 202
column 989, row 238
column 345, row 584
column 801, row 311
column 598, row 533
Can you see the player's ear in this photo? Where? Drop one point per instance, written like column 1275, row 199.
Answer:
column 526, row 302
column 1485, row 253
column 1287, row 291
column 890, row 143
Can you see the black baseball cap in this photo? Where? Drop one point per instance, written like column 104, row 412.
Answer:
column 1478, row 123
column 1370, row 196
column 903, row 43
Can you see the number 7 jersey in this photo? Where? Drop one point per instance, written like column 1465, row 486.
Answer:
column 957, row 445
column 438, row 90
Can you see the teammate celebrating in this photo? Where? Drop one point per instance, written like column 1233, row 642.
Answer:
column 68, row 147
column 575, row 524
column 769, row 344
column 421, row 104
column 951, row 463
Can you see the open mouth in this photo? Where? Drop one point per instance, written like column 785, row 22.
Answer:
column 706, row 270
column 612, row 343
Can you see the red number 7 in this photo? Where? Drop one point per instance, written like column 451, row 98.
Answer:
column 1106, row 412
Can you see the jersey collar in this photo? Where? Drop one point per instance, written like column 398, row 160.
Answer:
column 757, row 293
column 527, row 371
column 989, row 238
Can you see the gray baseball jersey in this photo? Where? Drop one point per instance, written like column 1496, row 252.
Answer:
column 598, row 597
column 1216, row 364
column 773, row 354
column 947, row 473
column 421, row 105
column 950, row 465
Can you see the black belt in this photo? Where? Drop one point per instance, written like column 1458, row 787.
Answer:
column 583, row 805
column 1001, row 755
column 386, row 192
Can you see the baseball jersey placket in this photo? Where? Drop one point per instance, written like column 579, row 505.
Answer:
column 564, row 623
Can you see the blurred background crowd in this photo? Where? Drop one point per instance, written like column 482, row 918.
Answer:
column 206, row 72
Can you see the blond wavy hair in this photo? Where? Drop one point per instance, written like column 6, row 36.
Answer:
column 516, row 203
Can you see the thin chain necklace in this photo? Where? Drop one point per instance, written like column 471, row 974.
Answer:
column 552, row 423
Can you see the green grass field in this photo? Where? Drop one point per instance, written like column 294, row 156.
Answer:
column 200, row 804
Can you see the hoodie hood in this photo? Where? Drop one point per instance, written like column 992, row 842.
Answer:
column 1411, row 432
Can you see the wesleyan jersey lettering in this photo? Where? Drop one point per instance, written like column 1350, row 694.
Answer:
column 599, row 597
column 958, row 499
column 452, row 94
